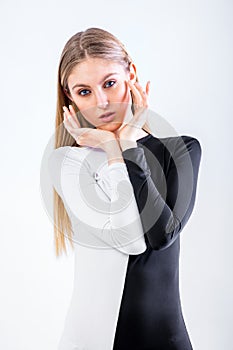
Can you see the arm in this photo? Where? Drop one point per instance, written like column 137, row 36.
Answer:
column 105, row 205
column 162, row 220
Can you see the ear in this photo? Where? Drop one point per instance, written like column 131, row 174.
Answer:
column 133, row 73
column 66, row 92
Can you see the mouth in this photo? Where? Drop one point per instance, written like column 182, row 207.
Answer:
column 107, row 117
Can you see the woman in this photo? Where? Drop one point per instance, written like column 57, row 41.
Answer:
column 123, row 196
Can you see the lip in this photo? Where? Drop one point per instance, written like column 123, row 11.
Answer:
column 107, row 117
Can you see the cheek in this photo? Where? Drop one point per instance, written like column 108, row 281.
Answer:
column 89, row 114
column 86, row 109
column 127, row 95
column 122, row 94
column 79, row 103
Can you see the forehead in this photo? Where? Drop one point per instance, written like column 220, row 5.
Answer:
column 93, row 69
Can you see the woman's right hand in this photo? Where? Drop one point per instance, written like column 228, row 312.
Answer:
column 90, row 137
column 131, row 130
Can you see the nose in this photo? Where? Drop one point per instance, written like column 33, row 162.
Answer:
column 101, row 100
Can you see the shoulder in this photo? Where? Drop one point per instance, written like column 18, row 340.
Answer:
column 63, row 160
column 61, row 154
column 191, row 144
column 182, row 143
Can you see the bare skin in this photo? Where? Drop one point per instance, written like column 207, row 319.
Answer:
column 115, row 140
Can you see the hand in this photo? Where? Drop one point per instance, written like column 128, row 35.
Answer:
column 85, row 136
column 132, row 129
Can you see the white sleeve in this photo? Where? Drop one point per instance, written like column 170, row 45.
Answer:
column 103, row 202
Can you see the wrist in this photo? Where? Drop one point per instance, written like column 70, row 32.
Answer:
column 110, row 144
column 113, row 151
column 126, row 144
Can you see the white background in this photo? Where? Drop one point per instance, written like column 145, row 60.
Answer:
column 185, row 49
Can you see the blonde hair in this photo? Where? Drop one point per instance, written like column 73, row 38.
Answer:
column 94, row 43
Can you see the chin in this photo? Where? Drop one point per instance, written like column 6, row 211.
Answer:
column 109, row 127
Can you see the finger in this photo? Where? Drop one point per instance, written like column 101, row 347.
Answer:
column 67, row 117
column 74, row 115
column 147, row 88
column 69, row 127
column 136, row 93
column 70, row 118
column 143, row 94
column 66, row 121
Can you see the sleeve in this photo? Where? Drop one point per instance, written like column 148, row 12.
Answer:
column 163, row 219
column 105, row 204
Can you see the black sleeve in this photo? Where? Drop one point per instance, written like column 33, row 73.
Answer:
column 162, row 220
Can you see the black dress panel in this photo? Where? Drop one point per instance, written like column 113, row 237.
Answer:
column 164, row 174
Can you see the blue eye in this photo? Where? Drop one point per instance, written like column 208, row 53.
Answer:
column 80, row 92
column 111, row 81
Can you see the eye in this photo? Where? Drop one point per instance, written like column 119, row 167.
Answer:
column 81, row 91
column 111, row 81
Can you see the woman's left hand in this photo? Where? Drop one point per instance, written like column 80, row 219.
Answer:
column 132, row 129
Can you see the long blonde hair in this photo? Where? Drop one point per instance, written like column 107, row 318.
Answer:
column 95, row 43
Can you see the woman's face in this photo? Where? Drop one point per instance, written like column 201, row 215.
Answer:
column 98, row 86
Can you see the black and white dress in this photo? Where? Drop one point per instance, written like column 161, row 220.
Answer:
column 126, row 221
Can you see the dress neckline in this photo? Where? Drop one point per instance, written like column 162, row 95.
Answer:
column 144, row 138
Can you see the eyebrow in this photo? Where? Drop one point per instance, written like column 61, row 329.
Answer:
column 107, row 76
